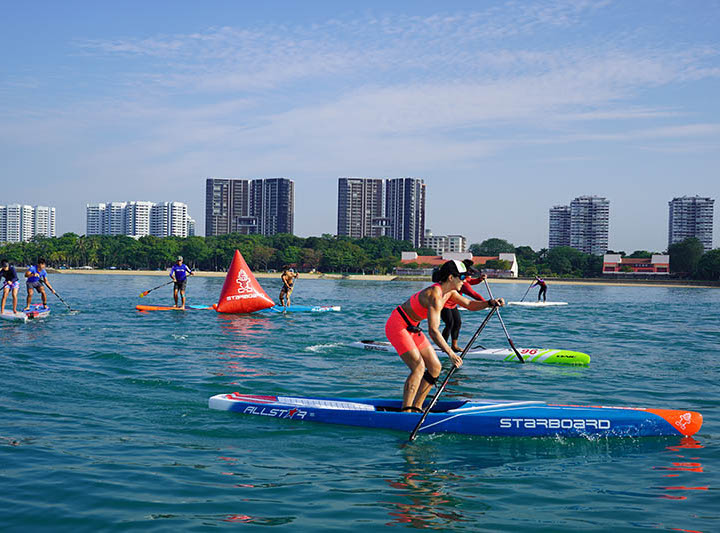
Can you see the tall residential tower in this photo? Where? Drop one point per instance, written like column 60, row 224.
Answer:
column 137, row 219
column 264, row 206
column 20, row 223
column 584, row 225
column 691, row 216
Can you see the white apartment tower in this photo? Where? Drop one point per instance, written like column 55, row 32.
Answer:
column 590, row 224
column 691, row 216
column 20, row 223
column 584, row 225
column 138, row 219
column 559, row 226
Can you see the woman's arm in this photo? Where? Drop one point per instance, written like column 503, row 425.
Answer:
column 434, row 309
column 475, row 305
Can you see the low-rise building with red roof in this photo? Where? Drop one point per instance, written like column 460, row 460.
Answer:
column 655, row 265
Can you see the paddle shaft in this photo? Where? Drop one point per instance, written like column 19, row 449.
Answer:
column 507, row 335
column 437, row 394
column 143, row 294
column 59, row 297
column 527, row 291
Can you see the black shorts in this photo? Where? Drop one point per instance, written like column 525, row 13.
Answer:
column 180, row 285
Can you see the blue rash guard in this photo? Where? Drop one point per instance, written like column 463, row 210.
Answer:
column 36, row 275
column 180, row 272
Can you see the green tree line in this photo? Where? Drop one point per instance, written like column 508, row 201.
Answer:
column 327, row 253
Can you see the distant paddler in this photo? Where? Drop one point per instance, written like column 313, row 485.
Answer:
column 10, row 283
column 403, row 332
column 288, row 279
column 36, row 279
column 450, row 314
column 543, row 287
column 179, row 273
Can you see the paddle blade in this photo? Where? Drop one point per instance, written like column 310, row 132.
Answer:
column 144, row 294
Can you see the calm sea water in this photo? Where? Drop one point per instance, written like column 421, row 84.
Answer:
column 104, row 422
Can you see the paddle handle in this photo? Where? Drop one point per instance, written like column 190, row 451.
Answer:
column 507, row 335
column 437, row 394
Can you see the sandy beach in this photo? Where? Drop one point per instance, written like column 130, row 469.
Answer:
column 372, row 277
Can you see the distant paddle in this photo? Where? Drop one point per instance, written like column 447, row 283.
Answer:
column 449, row 375
column 507, row 335
column 144, row 294
column 527, row 291
column 63, row 301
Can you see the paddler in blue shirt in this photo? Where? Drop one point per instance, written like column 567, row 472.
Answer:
column 36, row 279
column 10, row 282
column 179, row 273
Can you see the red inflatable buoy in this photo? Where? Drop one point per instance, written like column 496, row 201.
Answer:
column 241, row 292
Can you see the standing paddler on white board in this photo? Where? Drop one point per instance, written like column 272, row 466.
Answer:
column 36, row 280
column 403, row 331
column 179, row 273
column 10, row 284
column 543, row 288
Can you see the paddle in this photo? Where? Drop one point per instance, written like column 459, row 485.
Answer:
column 449, row 375
column 528, row 290
column 59, row 298
column 512, row 344
column 144, row 294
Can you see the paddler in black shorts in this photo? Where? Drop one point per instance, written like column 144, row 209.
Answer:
column 179, row 273
column 288, row 279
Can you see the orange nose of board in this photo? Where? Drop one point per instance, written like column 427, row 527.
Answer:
column 686, row 422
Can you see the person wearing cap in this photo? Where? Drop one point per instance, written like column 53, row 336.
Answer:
column 403, row 332
column 451, row 314
column 10, row 284
column 288, row 278
column 179, row 273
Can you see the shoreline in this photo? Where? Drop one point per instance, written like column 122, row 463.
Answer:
column 390, row 277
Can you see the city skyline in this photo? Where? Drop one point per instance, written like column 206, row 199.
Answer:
column 503, row 107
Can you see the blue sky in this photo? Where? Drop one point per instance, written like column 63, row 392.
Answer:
column 505, row 108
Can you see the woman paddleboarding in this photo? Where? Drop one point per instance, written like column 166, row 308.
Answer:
column 411, row 344
column 450, row 314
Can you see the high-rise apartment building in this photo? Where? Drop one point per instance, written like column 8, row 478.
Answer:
column 138, row 219
column 590, row 224
column 584, row 225
column 22, row 222
column 691, row 216
column 559, row 226
column 263, row 206
column 405, row 209
column 372, row 207
column 361, row 207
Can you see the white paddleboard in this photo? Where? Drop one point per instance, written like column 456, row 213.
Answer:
column 538, row 304
column 9, row 315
